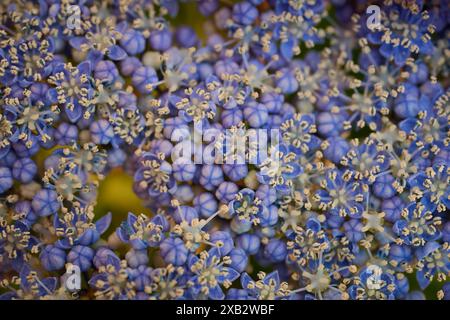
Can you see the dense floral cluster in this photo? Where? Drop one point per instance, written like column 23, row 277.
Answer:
column 356, row 177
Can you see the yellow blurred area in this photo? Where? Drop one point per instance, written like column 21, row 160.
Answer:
column 115, row 194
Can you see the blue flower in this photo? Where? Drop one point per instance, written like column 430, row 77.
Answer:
column 211, row 176
column 133, row 42
column 206, row 204
column 340, row 195
column 141, row 277
column 135, row 258
column 286, row 81
column 45, row 202
column 144, row 78
column 267, row 287
column 173, row 251
column 330, row 124
column 154, row 175
column 417, row 226
column 31, row 286
column 207, row 7
column 73, row 89
column 298, row 133
column 384, row 289
column 433, row 261
column 250, row 243
column 384, row 186
column 210, row 273
column 400, row 256
column 393, row 208
column 81, row 256
column 6, row 179
column 280, row 168
column 275, row 250
column 365, row 161
column 305, row 244
column 161, row 40
column 114, row 282
column 432, row 187
column 239, row 259
column 335, row 149
column 186, row 36
column 105, row 256
column 100, row 39
column 183, row 170
column 77, row 228
column 394, row 41
column 244, row 13
column 341, row 176
column 256, row 114
column 196, row 106
column 226, row 191
column 35, row 59
column 66, row 134
column 53, row 258
column 106, row 71
column 223, row 242
column 142, row 232
column 29, row 118
column 16, row 244
column 246, row 206
column 101, row 132
column 168, row 283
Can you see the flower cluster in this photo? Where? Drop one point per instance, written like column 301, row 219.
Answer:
column 288, row 136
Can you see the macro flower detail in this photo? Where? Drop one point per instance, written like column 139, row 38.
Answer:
column 224, row 150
